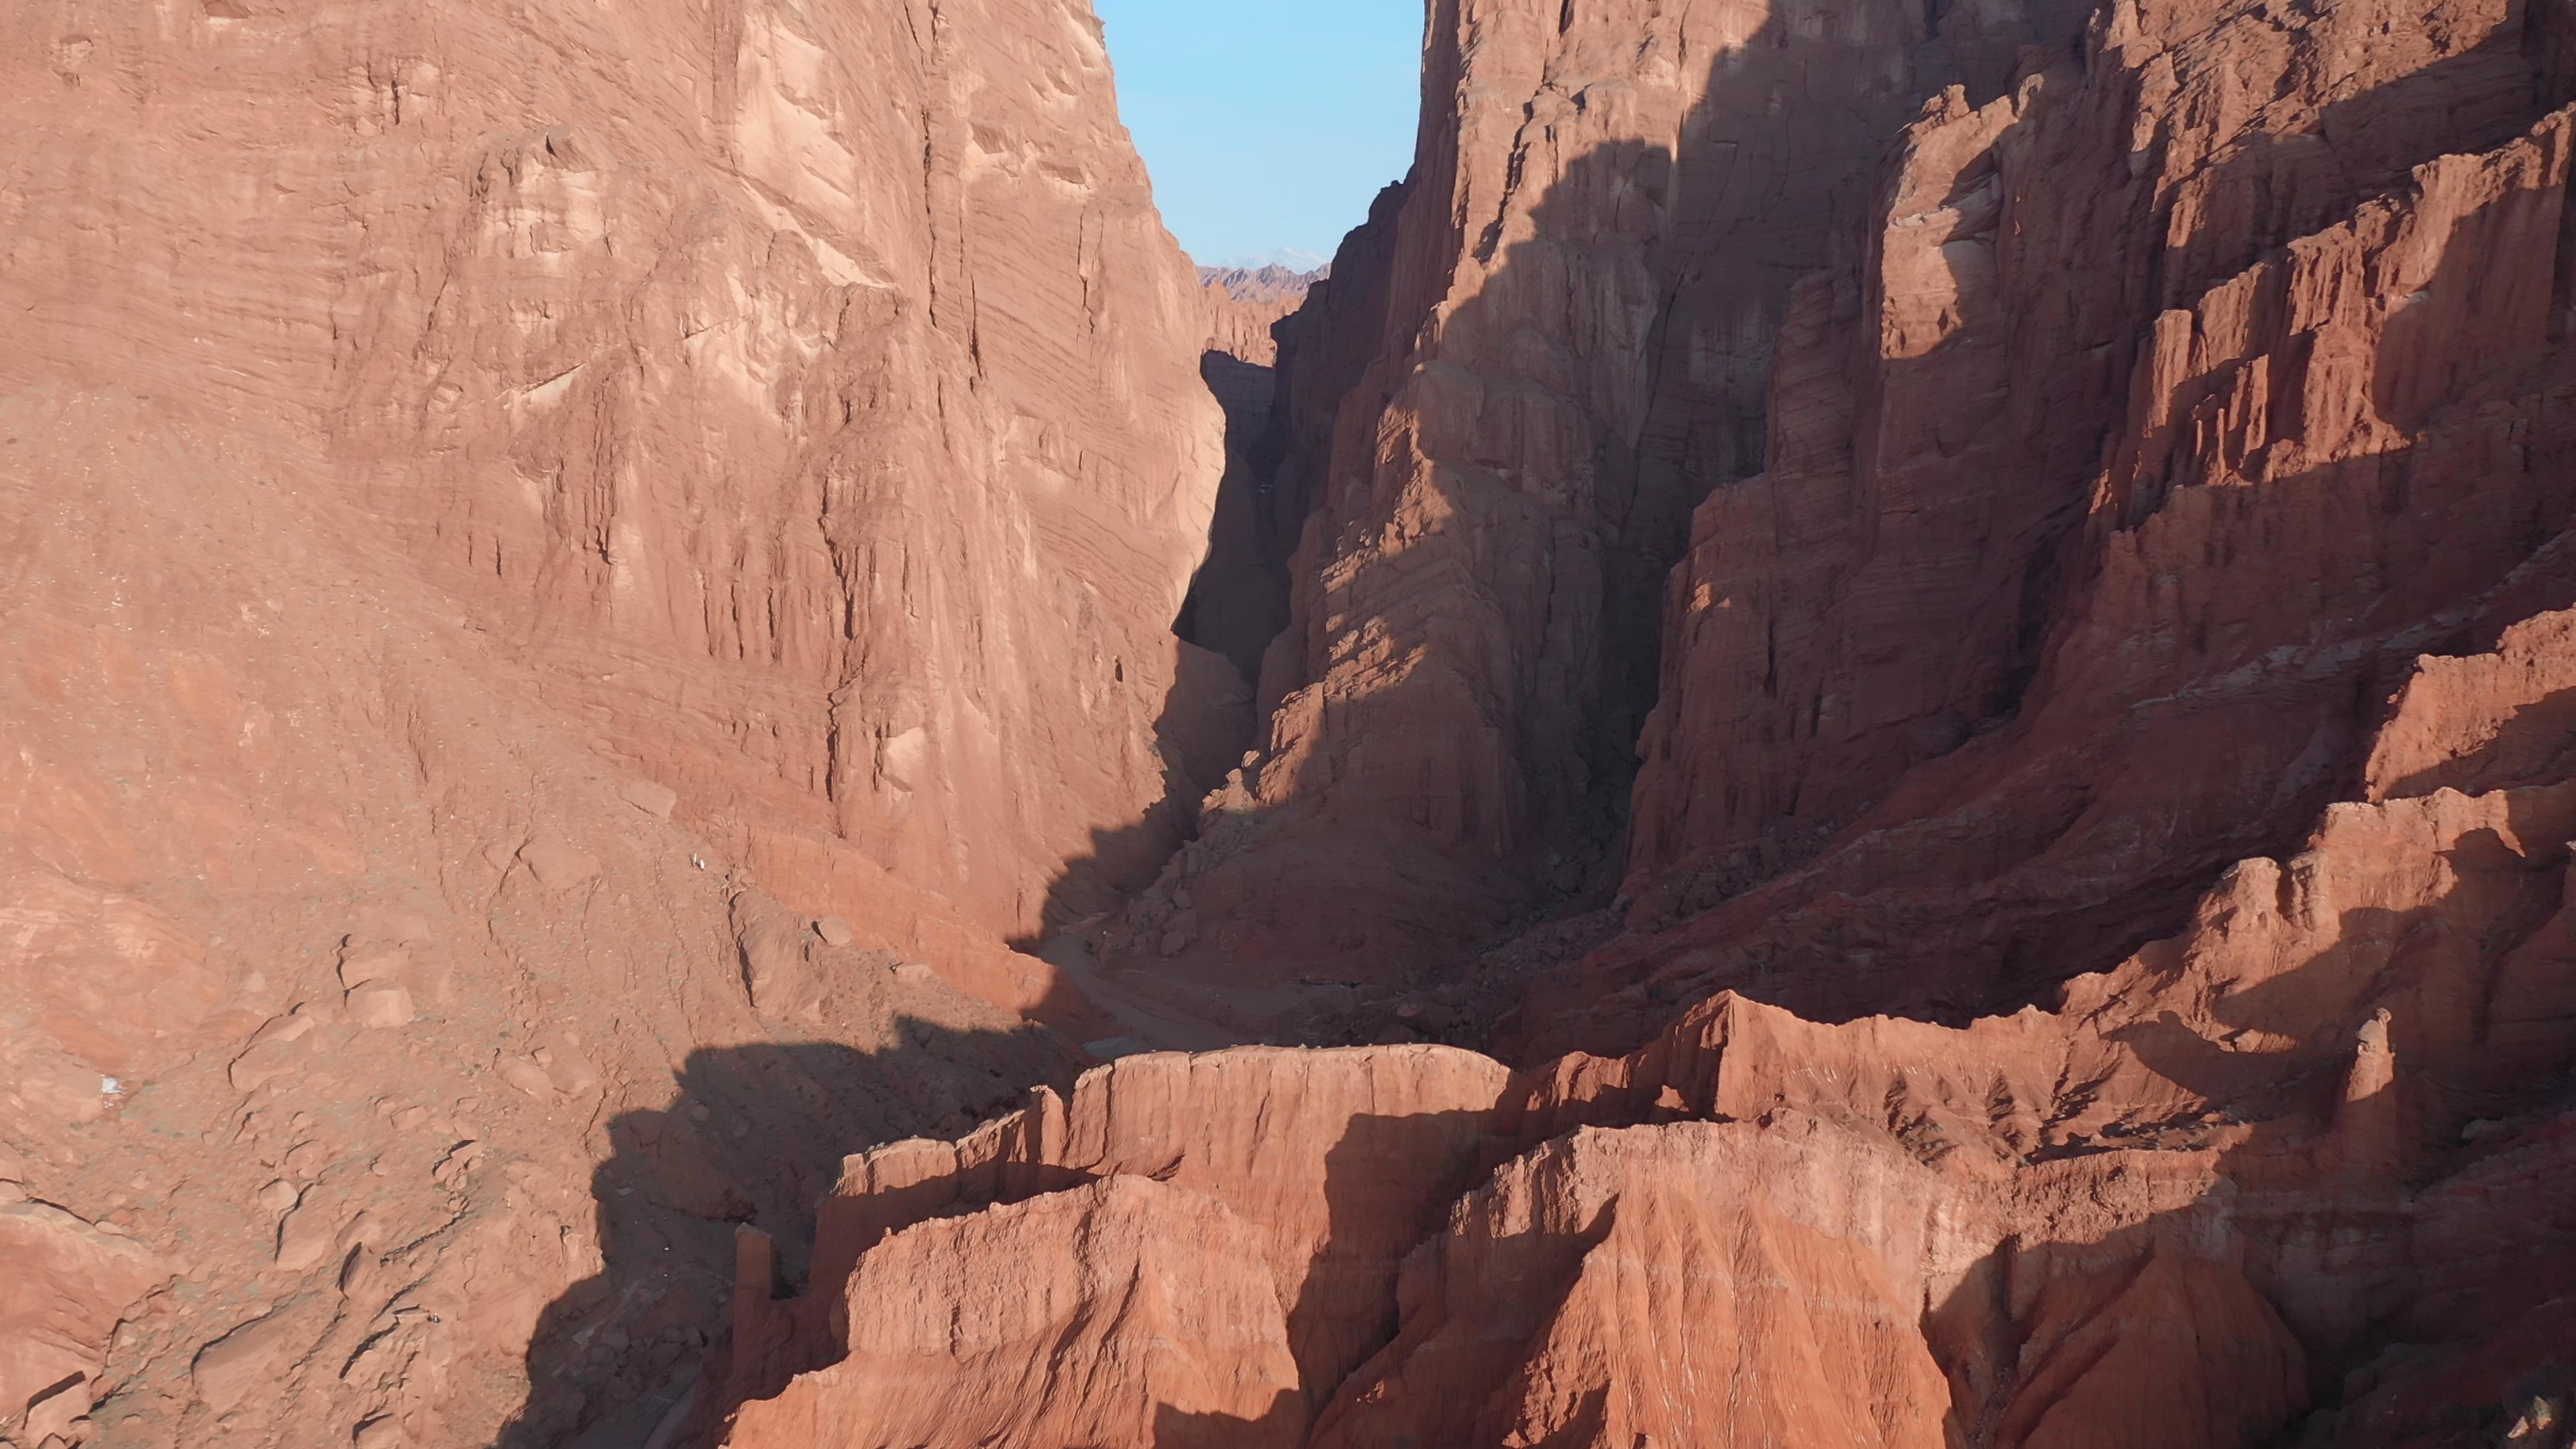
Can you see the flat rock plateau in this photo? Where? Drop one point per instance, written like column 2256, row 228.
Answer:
column 1866, row 735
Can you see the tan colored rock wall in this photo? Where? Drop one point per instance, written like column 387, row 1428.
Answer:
column 823, row 434
column 561, row 561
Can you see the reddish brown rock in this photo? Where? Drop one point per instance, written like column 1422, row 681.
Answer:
column 2277, row 441
column 1539, row 355
column 2175, row 1211
column 67, row 1287
column 1337, row 1162
column 1691, row 1284
column 2082, row 493
column 1138, row 1314
column 415, row 432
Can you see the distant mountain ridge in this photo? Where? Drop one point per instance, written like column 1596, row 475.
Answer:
column 1295, row 259
column 1263, row 285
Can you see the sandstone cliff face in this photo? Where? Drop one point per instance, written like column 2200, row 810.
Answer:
column 1526, row 370
column 2150, row 601
column 716, row 380
column 1997, row 400
column 575, row 576
column 566, row 569
column 2190, row 1206
column 2165, row 650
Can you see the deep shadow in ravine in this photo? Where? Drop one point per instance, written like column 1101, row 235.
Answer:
column 753, row 1135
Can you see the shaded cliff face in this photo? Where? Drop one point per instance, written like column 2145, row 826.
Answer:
column 2295, row 1174
column 1525, row 371
column 2067, row 586
column 573, row 577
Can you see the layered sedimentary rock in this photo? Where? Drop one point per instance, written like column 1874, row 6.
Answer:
column 2180, row 521
column 1145, row 1316
column 1541, row 352
column 2193, row 1204
column 1238, row 599
column 2146, row 606
column 1335, row 1165
column 664, row 362
column 573, row 576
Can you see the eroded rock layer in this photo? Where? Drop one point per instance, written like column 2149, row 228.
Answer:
column 2194, row 1204
column 2091, row 957
column 1954, row 626
column 574, row 574
column 1538, row 356
column 2178, row 519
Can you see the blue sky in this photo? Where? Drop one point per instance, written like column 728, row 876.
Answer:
column 1268, row 124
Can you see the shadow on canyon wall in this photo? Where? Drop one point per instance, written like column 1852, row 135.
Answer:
column 2278, row 1307
column 2298, row 1302
column 1483, row 763
column 1238, row 600
column 2317, row 1294
column 1978, row 877
column 778, row 1119
column 754, row 1135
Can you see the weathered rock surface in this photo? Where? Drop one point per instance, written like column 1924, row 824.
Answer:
column 483, row 492
column 2175, row 522
column 1337, row 1164
column 1526, row 370
column 2136, row 582
column 1141, row 1314
column 1655, row 1283
column 67, row 1287
column 576, row 577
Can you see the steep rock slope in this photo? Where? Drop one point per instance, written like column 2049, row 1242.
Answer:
column 1523, row 374
column 2180, row 644
column 566, row 568
column 667, row 360
column 2157, row 640
column 2284, row 1177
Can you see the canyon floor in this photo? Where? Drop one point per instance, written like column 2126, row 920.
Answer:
column 1864, row 734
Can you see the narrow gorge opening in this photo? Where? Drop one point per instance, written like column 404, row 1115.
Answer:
column 1267, row 128
column 1267, row 131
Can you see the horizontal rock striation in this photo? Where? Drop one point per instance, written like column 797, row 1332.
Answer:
column 1539, row 355
column 2326, row 445
column 574, row 575
column 2136, row 600
column 2190, row 1205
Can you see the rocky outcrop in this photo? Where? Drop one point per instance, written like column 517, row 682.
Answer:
column 574, row 577
column 2324, row 452
column 1335, row 1165
column 2166, row 651
column 2188, row 1206
column 70, row 1284
column 1145, row 1318
column 1539, row 355
column 1655, row 1283
column 667, row 371
column 1998, row 581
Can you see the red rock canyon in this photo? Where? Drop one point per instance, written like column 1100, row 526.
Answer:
column 1864, row 735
